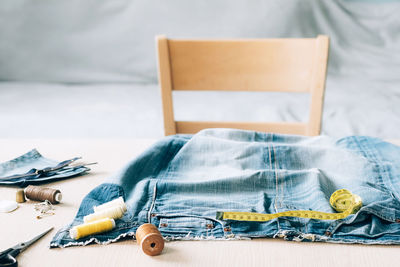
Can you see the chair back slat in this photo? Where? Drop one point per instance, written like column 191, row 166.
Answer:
column 286, row 65
column 244, row 65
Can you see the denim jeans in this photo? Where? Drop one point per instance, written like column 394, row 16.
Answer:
column 182, row 181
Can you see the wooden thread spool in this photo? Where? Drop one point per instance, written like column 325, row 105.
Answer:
column 43, row 193
column 150, row 239
column 20, row 196
column 95, row 227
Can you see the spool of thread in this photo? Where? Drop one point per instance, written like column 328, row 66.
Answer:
column 39, row 193
column 116, row 202
column 20, row 196
column 112, row 212
column 95, row 227
column 150, row 239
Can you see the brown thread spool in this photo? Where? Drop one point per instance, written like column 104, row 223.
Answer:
column 43, row 193
column 20, row 196
column 150, row 239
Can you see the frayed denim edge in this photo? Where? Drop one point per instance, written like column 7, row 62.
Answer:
column 299, row 238
column 188, row 237
column 94, row 240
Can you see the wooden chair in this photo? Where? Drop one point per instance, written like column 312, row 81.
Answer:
column 289, row 65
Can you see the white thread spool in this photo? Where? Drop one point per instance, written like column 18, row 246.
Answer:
column 116, row 202
column 112, row 212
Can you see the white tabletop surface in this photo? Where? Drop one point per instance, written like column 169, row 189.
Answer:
column 21, row 225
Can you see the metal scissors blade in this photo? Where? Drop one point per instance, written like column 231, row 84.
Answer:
column 7, row 257
column 24, row 245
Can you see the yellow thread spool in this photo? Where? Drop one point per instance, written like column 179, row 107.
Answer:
column 95, row 227
column 112, row 212
column 150, row 239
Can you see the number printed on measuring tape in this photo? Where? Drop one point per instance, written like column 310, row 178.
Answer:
column 342, row 200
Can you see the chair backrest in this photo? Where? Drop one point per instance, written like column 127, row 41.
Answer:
column 289, row 65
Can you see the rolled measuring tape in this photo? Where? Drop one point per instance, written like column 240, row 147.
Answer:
column 341, row 200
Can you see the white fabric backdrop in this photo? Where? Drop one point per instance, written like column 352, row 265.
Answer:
column 113, row 41
column 110, row 45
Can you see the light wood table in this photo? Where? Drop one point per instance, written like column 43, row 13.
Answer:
column 111, row 155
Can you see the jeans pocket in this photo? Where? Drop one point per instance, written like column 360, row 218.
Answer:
column 180, row 224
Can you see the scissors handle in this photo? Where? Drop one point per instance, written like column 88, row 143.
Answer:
column 7, row 258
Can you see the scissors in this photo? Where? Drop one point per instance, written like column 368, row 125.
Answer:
column 7, row 257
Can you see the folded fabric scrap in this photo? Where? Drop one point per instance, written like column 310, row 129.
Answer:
column 33, row 168
column 183, row 182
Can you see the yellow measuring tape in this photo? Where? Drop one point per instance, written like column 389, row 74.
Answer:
column 341, row 200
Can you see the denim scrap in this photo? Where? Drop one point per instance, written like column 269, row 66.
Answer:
column 33, row 168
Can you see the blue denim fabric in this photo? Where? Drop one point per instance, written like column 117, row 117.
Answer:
column 182, row 181
column 28, row 169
